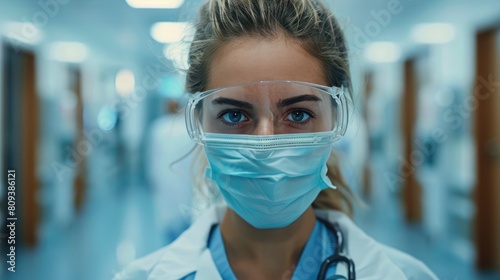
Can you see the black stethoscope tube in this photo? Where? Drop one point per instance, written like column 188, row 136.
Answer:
column 338, row 255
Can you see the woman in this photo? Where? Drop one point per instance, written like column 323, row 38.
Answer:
column 272, row 86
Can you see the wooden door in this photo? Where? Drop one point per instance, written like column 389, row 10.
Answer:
column 487, row 136
column 21, row 131
column 411, row 191
column 367, row 174
column 79, row 184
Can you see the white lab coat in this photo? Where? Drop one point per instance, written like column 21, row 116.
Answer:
column 189, row 253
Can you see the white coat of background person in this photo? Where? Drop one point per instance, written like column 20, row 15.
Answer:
column 168, row 170
column 271, row 87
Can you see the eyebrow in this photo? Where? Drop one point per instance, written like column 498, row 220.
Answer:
column 234, row 102
column 297, row 99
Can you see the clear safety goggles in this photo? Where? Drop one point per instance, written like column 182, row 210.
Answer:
column 268, row 114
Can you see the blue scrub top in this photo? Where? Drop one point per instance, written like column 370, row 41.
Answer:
column 320, row 245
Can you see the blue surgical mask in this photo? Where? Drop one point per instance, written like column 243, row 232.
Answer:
column 268, row 187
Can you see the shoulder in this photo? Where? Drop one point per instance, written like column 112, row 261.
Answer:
column 372, row 257
column 411, row 267
column 140, row 269
column 179, row 259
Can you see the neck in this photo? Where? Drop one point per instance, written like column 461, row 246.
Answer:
column 272, row 251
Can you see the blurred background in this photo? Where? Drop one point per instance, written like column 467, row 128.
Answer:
column 89, row 93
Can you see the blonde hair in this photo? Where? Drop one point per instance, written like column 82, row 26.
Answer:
column 309, row 22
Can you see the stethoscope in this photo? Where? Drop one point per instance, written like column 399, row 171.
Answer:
column 338, row 256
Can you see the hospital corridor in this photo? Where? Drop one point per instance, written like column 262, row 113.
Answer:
column 111, row 146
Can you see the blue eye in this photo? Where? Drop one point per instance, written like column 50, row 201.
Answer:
column 233, row 117
column 298, row 116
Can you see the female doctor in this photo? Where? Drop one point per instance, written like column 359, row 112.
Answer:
column 271, row 90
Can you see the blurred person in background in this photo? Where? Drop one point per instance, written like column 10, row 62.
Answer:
column 272, row 90
column 169, row 165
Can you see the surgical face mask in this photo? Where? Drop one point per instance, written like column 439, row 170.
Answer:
column 267, row 144
column 272, row 187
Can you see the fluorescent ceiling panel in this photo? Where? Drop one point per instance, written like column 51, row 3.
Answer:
column 73, row 52
column 24, row 32
column 169, row 32
column 383, row 52
column 125, row 82
column 433, row 33
column 155, row 4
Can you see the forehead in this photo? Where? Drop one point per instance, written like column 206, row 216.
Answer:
column 270, row 94
column 249, row 59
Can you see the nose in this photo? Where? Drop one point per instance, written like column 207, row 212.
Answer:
column 264, row 127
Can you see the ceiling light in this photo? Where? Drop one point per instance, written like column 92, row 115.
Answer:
column 68, row 52
column 23, row 32
column 383, row 52
column 155, row 4
column 125, row 82
column 169, row 32
column 433, row 33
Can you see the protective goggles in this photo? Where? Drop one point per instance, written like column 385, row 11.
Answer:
column 269, row 113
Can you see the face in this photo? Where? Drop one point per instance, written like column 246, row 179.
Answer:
column 265, row 109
